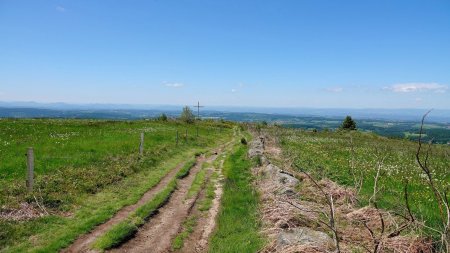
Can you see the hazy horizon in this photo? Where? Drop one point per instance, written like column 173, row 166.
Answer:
column 33, row 109
column 150, row 105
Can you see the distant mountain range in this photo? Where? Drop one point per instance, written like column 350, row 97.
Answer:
column 126, row 111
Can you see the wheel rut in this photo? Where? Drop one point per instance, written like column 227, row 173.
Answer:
column 156, row 235
column 82, row 244
column 206, row 221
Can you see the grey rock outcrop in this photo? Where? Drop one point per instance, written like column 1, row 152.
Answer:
column 256, row 147
column 304, row 236
column 283, row 178
column 280, row 185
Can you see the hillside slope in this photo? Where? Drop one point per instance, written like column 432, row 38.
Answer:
column 327, row 190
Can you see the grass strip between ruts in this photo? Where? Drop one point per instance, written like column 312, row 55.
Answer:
column 184, row 172
column 188, row 227
column 124, row 230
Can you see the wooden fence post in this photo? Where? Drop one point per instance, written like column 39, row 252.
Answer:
column 30, row 169
column 141, row 145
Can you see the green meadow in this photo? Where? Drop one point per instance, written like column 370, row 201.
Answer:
column 82, row 167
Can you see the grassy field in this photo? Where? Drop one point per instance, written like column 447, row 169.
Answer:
column 238, row 223
column 82, row 167
column 329, row 154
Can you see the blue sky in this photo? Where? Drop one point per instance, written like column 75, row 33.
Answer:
column 353, row 54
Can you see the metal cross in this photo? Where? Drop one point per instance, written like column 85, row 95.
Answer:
column 198, row 109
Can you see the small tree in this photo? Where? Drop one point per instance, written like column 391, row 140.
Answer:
column 162, row 117
column 348, row 124
column 187, row 115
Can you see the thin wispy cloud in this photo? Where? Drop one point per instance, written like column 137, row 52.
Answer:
column 174, row 85
column 60, row 8
column 415, row 87
column 239, row 87
column 335, row 89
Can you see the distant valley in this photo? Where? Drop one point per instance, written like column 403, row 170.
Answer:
column 390, row 123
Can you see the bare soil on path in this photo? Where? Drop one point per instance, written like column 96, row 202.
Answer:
column 156, row 235
column 198, row 240
column 82, row 243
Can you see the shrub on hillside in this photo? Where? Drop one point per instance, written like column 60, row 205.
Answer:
column 162, row 117
column 187, row 115
column 348, row 124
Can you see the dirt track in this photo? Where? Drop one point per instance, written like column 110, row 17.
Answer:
column 82, row 243
column 198, row 240
column 157, row 233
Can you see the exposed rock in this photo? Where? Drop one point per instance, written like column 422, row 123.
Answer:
column 264, row 161
column 256, row 147
column 286, row 183
column 285, row 179
column 254, row 153
column 288, row 192
column 288, row 180
column 271, row 170
column 277, row 186
column 304, row 236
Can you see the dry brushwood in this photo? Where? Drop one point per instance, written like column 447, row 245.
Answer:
column 331, row 214
column 441, row 197
column 387, row 231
